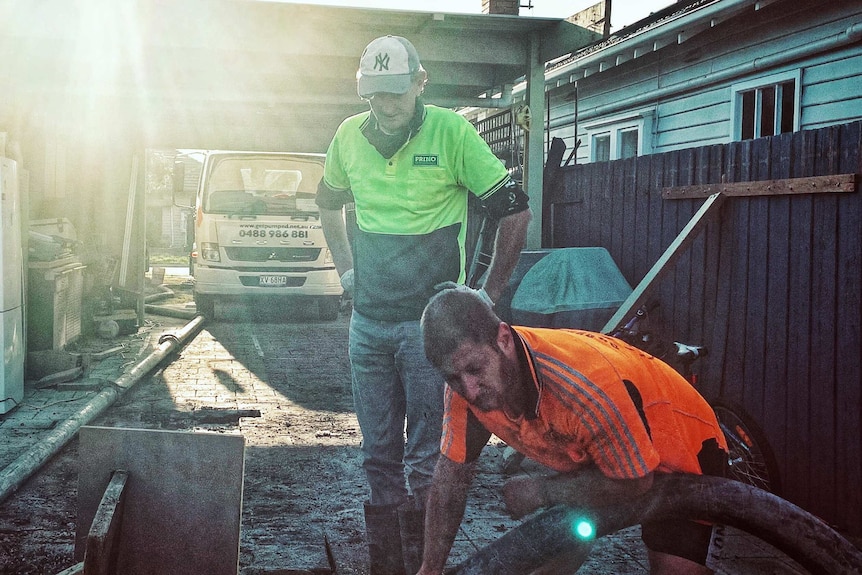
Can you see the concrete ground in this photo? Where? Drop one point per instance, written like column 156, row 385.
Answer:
column 218, row 369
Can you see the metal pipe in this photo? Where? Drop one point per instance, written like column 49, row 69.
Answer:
column 167, row 311
column 16, row 473
column 790, row 529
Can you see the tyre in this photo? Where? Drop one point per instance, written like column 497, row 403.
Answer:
column 328, row 308
column 750, row 458
column 205, row 305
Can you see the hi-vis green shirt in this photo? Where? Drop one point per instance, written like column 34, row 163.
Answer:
column 411, row 209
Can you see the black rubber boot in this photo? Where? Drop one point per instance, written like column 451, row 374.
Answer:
column 412, row 523
column 384, row 540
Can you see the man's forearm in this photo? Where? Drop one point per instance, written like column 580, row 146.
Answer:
column 335, row 232
column 445, row 509
column 508, row 243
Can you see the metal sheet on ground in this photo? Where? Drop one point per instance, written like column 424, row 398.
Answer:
column 184, row 498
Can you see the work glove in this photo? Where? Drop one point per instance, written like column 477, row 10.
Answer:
column 347, row 281
column 483, row 295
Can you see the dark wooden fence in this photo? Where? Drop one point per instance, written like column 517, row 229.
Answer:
column 772, row 287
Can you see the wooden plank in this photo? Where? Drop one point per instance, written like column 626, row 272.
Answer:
column 824, row 320
column 76, row 569
column 721, row 326
column 710, row 368
column 100, row 556
column 623, row 249
column 778, row 311
column 563, row 235
column 663, row 291
column 685, row 279
column 589, row 232
column 699, row 174
column 604, row 205
column 654, row 245
column 638, row 265
column 581, row 231
column 796, row 485
column 734, row 355
column 757, row 286
column 808, row 185
column 708, row 210
column 618, row 198
column 568, row 207
column 848, row 425
column 553, row 183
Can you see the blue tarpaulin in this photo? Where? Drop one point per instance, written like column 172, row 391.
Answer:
column 570, row 287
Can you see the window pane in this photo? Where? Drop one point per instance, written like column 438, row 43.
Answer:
column 628, row 144
column 747, row 119
column 602, row 148
column 767, row 111
column 788, row 97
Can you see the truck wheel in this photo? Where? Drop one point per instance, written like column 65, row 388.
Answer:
column 205, row 306
column 328, row 308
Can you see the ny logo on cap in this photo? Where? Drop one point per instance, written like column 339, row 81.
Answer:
column 381, row 62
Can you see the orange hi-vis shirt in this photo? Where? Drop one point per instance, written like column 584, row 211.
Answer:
column 598, row 401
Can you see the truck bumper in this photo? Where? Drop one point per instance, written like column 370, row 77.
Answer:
column 212, row 281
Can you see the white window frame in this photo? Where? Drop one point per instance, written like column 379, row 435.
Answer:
column 619, row 142
column 772, row 80
column 642, row 121
column 594, row 148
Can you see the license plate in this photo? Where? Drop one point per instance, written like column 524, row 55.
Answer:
column 273, row 281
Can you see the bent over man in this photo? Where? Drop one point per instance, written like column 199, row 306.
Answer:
column 605, row 415
column 408, row 168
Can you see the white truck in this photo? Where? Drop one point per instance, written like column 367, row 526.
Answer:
column 258, row 235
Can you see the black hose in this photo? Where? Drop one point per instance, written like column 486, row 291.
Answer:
column 790, row 529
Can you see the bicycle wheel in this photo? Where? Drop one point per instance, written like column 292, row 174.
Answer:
column 750, row 457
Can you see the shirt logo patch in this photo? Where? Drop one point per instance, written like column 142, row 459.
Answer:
column 425, row 160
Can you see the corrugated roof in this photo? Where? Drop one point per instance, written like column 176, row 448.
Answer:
column 672, row 25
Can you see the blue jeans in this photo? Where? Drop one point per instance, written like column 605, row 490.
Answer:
column 392, row 379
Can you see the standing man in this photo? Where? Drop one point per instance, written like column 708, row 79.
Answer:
column 605, row 415
column 408, row 167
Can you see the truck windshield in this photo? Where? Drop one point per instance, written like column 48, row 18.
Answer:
column 259, row 186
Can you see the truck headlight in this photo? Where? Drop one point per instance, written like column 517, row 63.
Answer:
column 209, row 252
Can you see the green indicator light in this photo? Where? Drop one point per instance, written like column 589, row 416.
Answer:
column 584, row 529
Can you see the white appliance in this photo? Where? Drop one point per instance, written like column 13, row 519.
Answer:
column 11, row 290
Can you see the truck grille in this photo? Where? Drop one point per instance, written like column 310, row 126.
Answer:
column 255, row 254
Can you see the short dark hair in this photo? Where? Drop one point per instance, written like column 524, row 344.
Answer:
column 453, row 316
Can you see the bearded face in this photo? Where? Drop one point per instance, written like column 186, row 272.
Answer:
column 484, row 375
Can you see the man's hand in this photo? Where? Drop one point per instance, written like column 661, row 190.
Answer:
column 523, row 495
column 483, row 295
column 347, row 281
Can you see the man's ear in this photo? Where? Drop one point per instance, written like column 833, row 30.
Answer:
column 505, row 341
column 421, row 79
